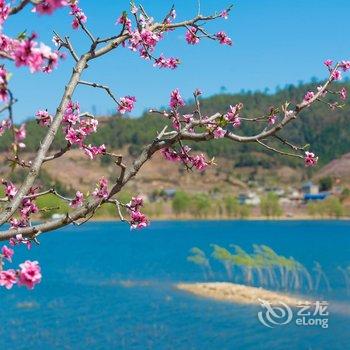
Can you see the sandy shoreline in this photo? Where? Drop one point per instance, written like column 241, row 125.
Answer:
column 240, row 294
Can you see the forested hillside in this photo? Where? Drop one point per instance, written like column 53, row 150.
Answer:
column 326, row 131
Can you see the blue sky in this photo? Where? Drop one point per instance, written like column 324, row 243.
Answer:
column 276, row 42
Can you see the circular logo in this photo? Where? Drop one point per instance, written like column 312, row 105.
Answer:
column 274, row 315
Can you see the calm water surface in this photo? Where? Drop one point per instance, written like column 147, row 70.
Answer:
column 105, row 287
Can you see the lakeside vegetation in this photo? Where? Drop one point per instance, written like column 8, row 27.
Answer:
column 262, row 268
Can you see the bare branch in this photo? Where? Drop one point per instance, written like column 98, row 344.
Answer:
column 100, row 86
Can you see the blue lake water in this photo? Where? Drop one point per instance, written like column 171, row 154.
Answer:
column 105, row 287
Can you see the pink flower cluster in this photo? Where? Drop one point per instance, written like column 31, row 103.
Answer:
column 191, row 36
column 101, row 191
column 223, row 38
column 309, row 96
column 4, row 11
column 272, row 119
column 19, row 239
column 162, row 62
column 43, row 118
column 125, row 22
column 232, row 116
column 28, row 274
column 219, row 133
column 76, row 129
column 176, row 99
column 144, row 40
column 77, row 200
column 126, row 104
column 10, row 189
column 26, row 209
column 20, row 135
column 343, row 93
column 4, row 125
column 27, row 206
column 47, row 7
column 79, row 15
column 310, row 159
column 198, row 161
column 345, row 65
column 27, row 52
column 7, row 253
column 3, row 84
column 224, row 14
column 137, row 219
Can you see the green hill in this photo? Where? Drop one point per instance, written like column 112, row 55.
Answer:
column 326, row 131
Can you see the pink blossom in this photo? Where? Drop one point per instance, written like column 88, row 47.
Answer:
column 4, row 12
column 272, row 119
column 344, row 65
column 233, row 113
column 29, row 274
column 163, row 62
column 79, row 15
column 138, row 220
column 236, row 123
column 71, row 113
column 51, row 59
column 47, row 7
column 19, row 239
column 74, row 136
column 199, row 162
column 93, row 151
column 126, row 104
column 343, row 93
column 223, row 38
column 8, row 278
column 336, row 75
column 309, row 96
column 310, row 159
column 15, row 224
column 135, row 40
column 170, row 154
column 56, row 40
column 10, row 189
column 43, row 118
column 3, row 84
column 328, row 63
column 125, row 21
column 28, row 207
column 26, row 53
column 88, row 126
column 136, row 203
column 7, row 253
column 101, row 191
column 4, row 125
column 224, row 14
column 20, row 135
column 191, row 36
column 77, row 200
column 149, row 38
column 219, row 133
column 187, row 118
column 176, row 99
